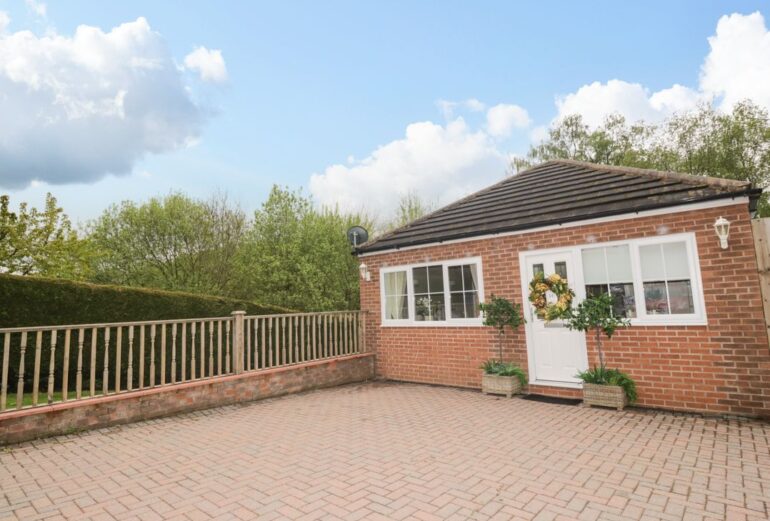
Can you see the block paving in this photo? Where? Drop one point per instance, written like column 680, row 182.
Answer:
column 393, row 452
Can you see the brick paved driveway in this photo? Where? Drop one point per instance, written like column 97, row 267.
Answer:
column 390, row 451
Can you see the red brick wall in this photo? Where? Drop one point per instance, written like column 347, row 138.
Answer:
column 27, row 424
column 723, row 367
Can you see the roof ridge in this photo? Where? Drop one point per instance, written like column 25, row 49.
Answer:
column 658, row 174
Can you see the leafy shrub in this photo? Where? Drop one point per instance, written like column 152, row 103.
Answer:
column 604, row 376
column 496, row 367
column 35, row 301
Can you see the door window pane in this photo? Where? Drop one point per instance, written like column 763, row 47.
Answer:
column 537, row 269
column 561, row 269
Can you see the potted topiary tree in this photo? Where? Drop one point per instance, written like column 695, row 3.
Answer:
column 602, row 386
column 500, row 377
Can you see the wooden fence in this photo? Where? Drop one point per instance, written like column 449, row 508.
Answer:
column 47, row 364
column 761, row 230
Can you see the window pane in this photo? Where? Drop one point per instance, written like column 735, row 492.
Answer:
column 594, row 290
column 655, row 300
column 437, row 307
column 395, row 283
column 537, row 269
column 396, row 308
column 619, row 264
column 651, row 259
column 623, row 301
column 458, row 305
column 675, row 254
column 420, row 280
column 680, row 295
column 436, row 278
column 422, row 307
column 429, row 307
column 469, row 275
column 561, row 269
column 455, row 278
column 472, row 305
column 593, row 266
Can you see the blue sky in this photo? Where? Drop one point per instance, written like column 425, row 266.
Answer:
column 310, row 85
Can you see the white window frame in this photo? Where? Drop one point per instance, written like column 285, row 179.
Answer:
column 449, row 321
column 693, row 262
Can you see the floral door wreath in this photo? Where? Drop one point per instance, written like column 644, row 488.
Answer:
column 538, row 288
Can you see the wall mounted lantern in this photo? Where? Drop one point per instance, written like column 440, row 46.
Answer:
column 722, row 227
column 363, row 269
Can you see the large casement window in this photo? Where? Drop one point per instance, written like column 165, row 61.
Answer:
column 434, row 293
column 654, row 280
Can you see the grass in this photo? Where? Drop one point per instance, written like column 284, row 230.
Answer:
column 42, row 398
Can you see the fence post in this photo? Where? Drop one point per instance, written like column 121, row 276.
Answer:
column 364, row 316
column 238, row 343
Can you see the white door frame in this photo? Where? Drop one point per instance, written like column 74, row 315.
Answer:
column 575, row 282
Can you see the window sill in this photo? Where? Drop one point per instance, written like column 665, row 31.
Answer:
column 433, row 324
column 656, row 322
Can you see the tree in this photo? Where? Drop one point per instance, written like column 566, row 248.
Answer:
column 595, row 314
column 498, row 313
column 298, row 256
column 35, row 242
column 173, row 242
column 410, row 208
column 734, row 145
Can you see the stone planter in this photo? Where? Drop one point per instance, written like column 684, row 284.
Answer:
column 604, row 395
column 495, row 384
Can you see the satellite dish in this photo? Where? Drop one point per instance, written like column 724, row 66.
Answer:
column 357, row 235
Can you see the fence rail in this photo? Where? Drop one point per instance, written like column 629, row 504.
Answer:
column 47, row 364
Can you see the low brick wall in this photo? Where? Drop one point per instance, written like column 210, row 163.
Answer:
column 62, row 418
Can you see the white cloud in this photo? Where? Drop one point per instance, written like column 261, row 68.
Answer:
column 738, row 64
column 598, row 100
column 5, row 21
column 77, row 108
column 208, row 63
column 503, row 118
column 38, row 8
column 448, row 108
column 439, row 163
column 737, row 67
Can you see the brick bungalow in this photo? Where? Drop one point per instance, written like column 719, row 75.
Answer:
column 698, row 340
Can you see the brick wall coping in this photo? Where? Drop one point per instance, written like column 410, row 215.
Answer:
column 126, row 395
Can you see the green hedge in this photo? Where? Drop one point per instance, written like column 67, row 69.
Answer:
column 33, row 301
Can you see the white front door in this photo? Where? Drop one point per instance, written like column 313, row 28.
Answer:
column 556, row 354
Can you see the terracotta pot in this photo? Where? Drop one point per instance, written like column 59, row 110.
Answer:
column 495, row 384
column 604, row 395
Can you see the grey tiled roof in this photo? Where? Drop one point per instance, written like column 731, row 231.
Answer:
column 558, row 192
